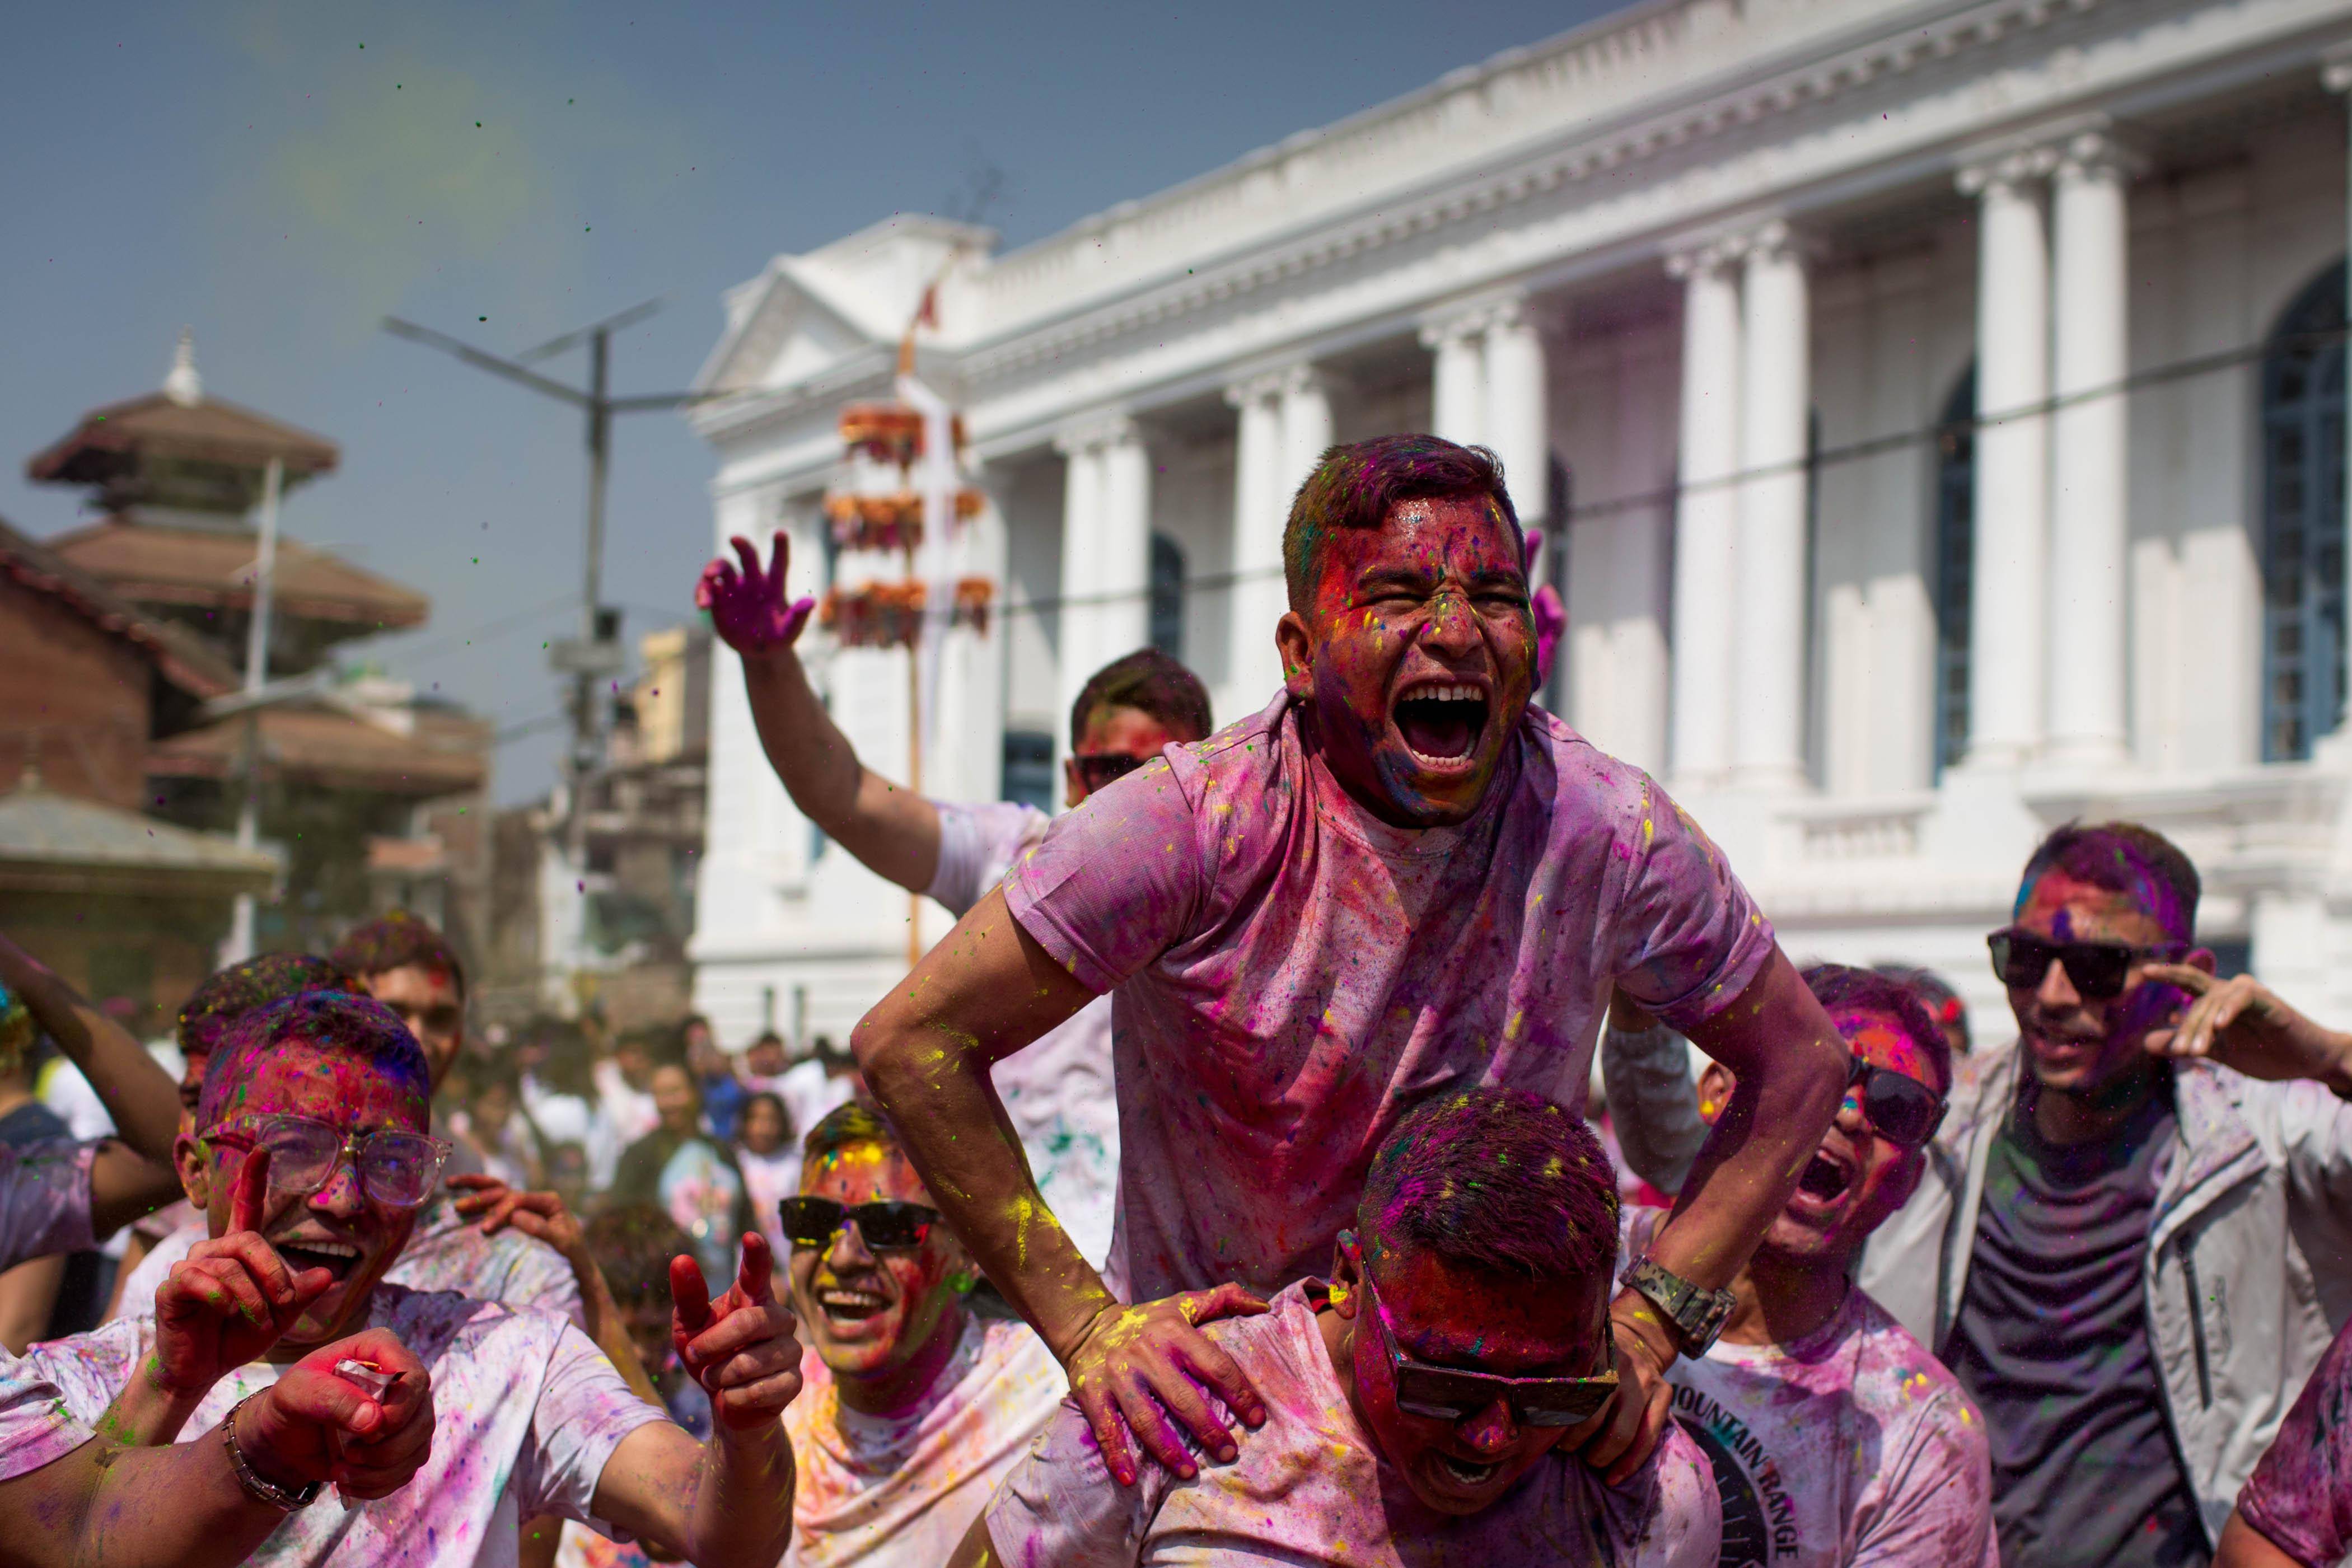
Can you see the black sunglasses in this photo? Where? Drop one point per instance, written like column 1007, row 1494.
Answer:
column 1100, row 768
column 889, row 1226
column 1899, row 1108
column 1452, row 1394
column 2098, row 970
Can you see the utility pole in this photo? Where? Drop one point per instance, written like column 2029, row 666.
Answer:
column 239, row 945
column 594, row 656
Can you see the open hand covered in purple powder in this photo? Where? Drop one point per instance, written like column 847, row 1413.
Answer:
column 748, row 608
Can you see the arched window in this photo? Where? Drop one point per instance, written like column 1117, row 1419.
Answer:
column 1167, row 596
column 2302, row 523
column 1955, row 532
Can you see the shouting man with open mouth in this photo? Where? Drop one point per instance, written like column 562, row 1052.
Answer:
column 1398, row 877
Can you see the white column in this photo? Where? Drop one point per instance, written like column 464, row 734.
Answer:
column 1518, row 413
column 2088, row 575
column 1253, row 668
column 1776, row 399
column 1082, row 509
column 1124, row 622
column 2010, row 579
column 1705, row 518
column 2336, row 72
column 1457, row 393
column 1306, row 431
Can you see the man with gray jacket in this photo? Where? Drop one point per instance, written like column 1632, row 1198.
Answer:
column 2134, row 1239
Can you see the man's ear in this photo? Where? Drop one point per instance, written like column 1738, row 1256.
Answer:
column 1074, row 788
column 1297, row 670
column 1346, row 1273
column 1716, row 1085
column 195, row 1173
column 2202, row 959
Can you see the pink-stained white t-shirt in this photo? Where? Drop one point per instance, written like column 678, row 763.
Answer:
column 1292, row 974
column 43, row 1200
column 1058, row 1088
column 1309, row 1487
column 1851, row 1446
column 446, row 1251
column 2300, row 1496
column 890, row 1490
column 526, row 1411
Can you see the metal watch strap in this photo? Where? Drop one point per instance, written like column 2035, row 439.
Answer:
column 258, row 1487
column 1697, row 1314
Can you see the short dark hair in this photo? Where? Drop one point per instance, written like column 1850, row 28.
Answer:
column 394, row 941
column 1150, row 682
column 633, row 1244
column 229, row 994
column 1945, row 1004
column 1843, row 989
column 1495, row 1179
column 339, row 1023
column 846, row 1126
column 1355, row 484
column 2126, row 858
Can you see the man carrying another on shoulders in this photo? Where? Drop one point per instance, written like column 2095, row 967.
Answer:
column 1396, row 878
column 1058, row 1092
column 1417, row 1399
column 915, row 1406
column 311, row 1162
column 1837, row 1441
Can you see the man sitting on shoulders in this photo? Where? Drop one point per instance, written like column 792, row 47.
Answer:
column 1836, row 1438
column 916, row 1406
column 1418, row 1400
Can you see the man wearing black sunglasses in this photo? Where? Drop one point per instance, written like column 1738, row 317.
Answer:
column 2132, row 1246
column 1420, row 1402
column 917, row 1404
column 1835, row 1437
column 1058, row 1091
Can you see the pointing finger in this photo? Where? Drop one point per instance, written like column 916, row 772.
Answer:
column 780, row 553
column 2195, row 981
column 690, row 1299
column 748, row 554
column 251, row 1194
column 752, row 1275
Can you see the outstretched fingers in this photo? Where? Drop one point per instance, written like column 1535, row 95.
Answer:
column 1104, row 1419
column 753, row 1276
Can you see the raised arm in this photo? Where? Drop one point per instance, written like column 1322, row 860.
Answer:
column 1775, row 1030
column 892, row 831
column 1652, row 1104
column 138, row 1095
column 985, row 992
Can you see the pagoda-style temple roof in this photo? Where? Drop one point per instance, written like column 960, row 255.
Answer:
column 112, row 442
column 444, row 753
column 209, row 567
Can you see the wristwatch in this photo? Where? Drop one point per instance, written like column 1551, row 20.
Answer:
column 286, row 1499
column 1699, row 1315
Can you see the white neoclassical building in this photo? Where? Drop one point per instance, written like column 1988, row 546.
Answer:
column 1932, row 403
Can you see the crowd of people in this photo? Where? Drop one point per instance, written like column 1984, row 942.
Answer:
column 1220, row 1190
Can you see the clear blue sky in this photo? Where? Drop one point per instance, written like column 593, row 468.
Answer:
column 278, row 176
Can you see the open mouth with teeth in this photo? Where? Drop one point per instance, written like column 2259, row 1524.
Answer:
column 842, row 1304
column 1441, row 722
column 340, row 1259
column 1825, row 1179
column 1463, row 1470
